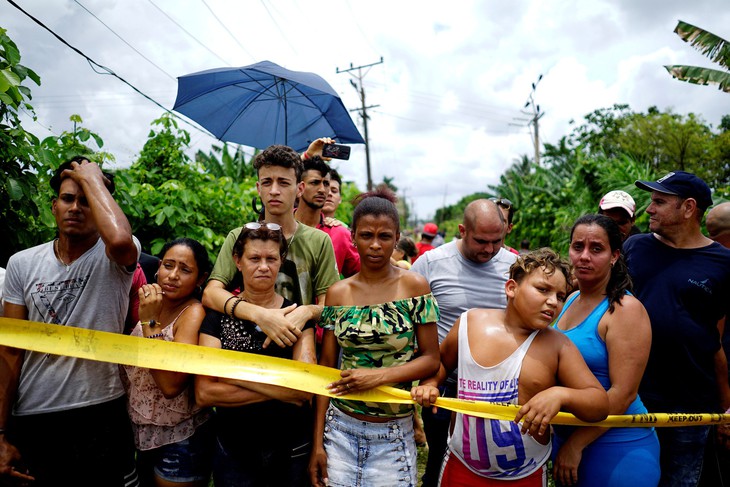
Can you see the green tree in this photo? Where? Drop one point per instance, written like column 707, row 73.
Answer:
column 166, row 195
column 714, row 47
column 221, row 163
column 664, row 140
column 50, row 153
column 21, row 218
column 55, row 150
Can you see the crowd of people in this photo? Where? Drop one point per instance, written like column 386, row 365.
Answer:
column 631, row 323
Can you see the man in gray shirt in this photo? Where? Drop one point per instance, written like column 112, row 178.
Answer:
column 468, row 273
column 69, row 423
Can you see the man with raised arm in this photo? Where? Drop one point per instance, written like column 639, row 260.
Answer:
column 69, row 423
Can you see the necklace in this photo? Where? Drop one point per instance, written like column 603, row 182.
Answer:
column 58, row 255
column 291, row 240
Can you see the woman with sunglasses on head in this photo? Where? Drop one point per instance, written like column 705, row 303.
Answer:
column 611, row 329
column 263, row 431
column 374, row 318
column 171, row 432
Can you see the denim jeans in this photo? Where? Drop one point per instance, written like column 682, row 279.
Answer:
column 681, row 455
column 259, row 464
column 188, row 460
column 367, row 454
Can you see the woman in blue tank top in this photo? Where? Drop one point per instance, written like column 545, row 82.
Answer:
column 612, row 331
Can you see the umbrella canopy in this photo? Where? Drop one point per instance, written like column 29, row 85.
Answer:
column 264, row 104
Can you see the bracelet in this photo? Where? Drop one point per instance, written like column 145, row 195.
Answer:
column 225, row 305
column 233, row 309
column 151, row 323
column 306, row 155
column 156, row 335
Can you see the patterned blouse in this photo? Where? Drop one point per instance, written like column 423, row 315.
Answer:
column 378, row 335
column 156, row 420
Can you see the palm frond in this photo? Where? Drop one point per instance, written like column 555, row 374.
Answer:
column 700, row 76
column 714, row 47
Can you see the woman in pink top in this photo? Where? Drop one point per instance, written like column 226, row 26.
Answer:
column 171, row 434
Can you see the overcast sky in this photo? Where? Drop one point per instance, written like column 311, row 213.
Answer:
column 455, row 75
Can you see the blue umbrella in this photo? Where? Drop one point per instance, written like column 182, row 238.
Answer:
column 264, row 104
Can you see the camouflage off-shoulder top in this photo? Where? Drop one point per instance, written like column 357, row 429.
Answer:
column 378, row 335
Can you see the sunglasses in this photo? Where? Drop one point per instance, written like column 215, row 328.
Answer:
column 256, row 225
column 503, row 202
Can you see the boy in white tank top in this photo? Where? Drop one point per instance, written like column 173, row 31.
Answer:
column 512, row 356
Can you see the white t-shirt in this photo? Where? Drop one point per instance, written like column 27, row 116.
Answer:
column 91, row 293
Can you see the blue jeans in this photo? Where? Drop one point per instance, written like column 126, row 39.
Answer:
column 188, row 460
column 367, row 454
column 257, row 464
column 681, row 454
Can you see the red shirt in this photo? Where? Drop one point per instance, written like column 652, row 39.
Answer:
column 422, row 249
column 348, row 260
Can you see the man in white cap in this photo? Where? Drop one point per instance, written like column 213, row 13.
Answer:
column 620, row 207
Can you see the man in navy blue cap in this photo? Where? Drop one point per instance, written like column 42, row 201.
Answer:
column 683, row 280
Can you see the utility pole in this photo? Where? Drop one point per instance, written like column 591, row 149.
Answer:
column 363, row 109
column 534, row 121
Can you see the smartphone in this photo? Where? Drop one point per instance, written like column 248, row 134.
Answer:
column 336, row 151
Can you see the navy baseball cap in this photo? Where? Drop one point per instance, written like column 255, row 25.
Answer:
column 683, row 184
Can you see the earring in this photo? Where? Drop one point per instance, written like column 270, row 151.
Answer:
column 156, row 275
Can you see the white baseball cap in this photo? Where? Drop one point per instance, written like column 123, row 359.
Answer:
column 618, row 199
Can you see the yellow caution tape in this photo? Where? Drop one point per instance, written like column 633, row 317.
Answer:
column 193, row 359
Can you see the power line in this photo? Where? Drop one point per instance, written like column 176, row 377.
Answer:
column 283, row 34
column 104, row 69
column 35, row 119
column 124, row 41
column 188, row 33
column 227, row 30
column 471, row 110
column 438, row 97
column 357, row 24
column 440, row 124
column 61, row 97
